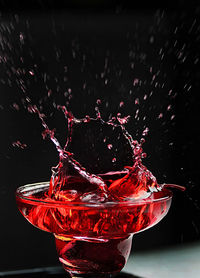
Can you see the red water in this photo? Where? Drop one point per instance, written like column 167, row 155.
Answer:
column 68, row 218
column 91, row 237
column 93, row 216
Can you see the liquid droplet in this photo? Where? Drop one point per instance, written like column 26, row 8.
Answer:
column 135, row 81
column 19, row 145
column 121, row 104
column 137, row 101
column 109, row 146
column 169, row 107
column 98, row 102
column 145, row 131
column 31, row 72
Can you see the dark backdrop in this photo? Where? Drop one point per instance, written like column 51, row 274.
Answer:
column 149, row 50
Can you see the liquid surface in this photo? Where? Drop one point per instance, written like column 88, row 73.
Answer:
column 103, row 220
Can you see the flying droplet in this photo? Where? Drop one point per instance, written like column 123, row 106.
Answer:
column 135, row 81
column 31, row 72
column 145, row 131
column 109, row 146
column 19, row 145
column 21, row 38
column 121, row 104
column 16, row 106
column 144, row 155
column 137, row 101
column 151, row 40
column 169, row 107
column 142, row 141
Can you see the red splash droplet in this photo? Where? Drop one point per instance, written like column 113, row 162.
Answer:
column 109, row 146
column 19, row 145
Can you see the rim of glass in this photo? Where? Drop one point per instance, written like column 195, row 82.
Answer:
column 42, row 185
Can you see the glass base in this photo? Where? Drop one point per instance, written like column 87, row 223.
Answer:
column 89, row 275
column 93, row 257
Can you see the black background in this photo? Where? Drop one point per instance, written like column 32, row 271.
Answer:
column 125, row 34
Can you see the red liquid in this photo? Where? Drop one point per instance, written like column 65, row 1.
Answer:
column 93, row 216
column 107, row 219
column 92, row 237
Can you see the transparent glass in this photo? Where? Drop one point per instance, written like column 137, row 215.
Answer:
column 92, row 240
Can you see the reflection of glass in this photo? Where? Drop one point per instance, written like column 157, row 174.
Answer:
column 91, row 238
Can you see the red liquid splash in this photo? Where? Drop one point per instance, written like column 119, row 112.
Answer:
column 93, row 216
column 138, row 183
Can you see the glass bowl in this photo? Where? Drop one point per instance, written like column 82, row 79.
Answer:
column 91, row 239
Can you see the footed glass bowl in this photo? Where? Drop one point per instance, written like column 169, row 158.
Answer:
column 91, row 239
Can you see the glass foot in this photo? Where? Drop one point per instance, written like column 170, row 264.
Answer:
column 88, row 275
column 93, row 257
